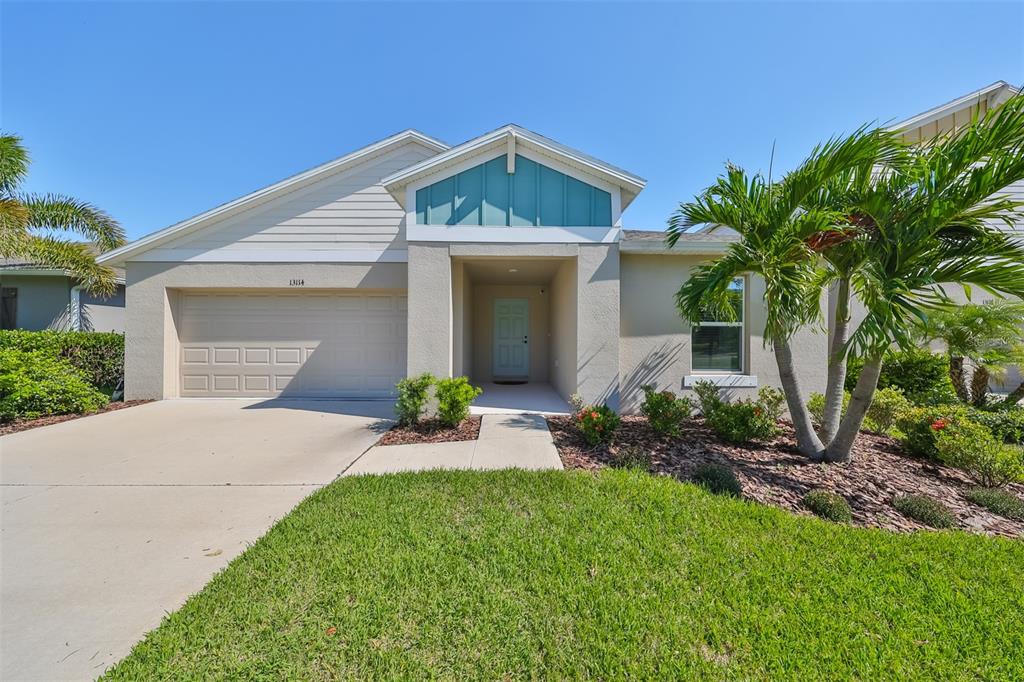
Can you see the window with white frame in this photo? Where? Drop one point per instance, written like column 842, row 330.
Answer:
column 717, row 346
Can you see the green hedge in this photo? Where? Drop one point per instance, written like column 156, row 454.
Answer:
column 99, row 355
column 922, row 375
column 38, row 384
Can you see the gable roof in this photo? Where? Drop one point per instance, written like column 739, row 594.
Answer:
column 993, row 92
column 629, row 184
column 261, row 196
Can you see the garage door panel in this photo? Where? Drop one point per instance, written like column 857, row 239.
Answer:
column 305, row 345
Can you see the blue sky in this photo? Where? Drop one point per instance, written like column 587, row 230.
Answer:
column 159, row 111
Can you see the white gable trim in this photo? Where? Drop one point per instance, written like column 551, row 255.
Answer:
column 993, row 92
column 133, row 250
column 630, row 185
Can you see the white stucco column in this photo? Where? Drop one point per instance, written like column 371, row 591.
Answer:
column 597, row 327
column 430, row 310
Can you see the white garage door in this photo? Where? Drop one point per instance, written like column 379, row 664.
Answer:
column 310, row 344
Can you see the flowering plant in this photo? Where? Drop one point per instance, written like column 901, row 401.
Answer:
column 597, row 423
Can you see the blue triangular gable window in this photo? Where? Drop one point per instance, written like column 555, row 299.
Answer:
column 534, row 195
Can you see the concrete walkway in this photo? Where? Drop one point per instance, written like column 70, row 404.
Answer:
column 507, row 441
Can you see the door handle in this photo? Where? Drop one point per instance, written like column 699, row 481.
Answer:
column 524, row 339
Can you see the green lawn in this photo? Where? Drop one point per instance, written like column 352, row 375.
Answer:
column 555, row 575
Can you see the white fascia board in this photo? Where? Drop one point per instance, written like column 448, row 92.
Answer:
column 118, row 256
column 282, row 256
column 944, row 110
column 682, row 248
column 631, row 183
column 513, row 235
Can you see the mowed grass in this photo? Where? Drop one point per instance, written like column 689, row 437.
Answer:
column 467, row 575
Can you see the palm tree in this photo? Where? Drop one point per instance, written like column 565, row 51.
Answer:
column 930, row 219
column 987, row 336
column 891, row 231
column 777, row 230
column 31, row 225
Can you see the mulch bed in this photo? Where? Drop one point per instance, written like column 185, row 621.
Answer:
column 432, row 431
column 26, row 424
column 777, row 474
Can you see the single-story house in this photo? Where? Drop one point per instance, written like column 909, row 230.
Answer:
column 34, row 297
column 502, row 258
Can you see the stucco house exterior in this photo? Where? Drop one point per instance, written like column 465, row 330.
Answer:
column 35, row 298
column 502, row 258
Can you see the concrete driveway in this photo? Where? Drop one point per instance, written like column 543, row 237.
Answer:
column 110, row 521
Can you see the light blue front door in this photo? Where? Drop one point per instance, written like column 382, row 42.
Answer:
column 511, row 337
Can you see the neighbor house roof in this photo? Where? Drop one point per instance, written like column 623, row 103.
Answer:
column 993, row 91
column 26, row 267
column 652, row 241
column 629, row 184
column 272, row 191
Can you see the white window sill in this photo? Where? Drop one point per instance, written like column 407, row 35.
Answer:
column 724, row 380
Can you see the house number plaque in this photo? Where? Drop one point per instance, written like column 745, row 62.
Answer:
column 296, row 282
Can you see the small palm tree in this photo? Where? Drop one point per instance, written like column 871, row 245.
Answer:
column 777, row 229
column 891, row 231
column 31, row 225
column 989, row 337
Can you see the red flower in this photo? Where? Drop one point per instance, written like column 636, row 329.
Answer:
column 593, row 415
column 939, row 424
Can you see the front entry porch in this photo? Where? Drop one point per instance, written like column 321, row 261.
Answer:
column 529, row 398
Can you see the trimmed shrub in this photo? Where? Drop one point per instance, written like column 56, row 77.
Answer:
column 36, row 384
column 1006, row 425
column 920, row 427
column 597, row 423
column 718, row 479
column 923, row 376
column 926, row 510
column 998, row 501
column 100, row 355
column 664, row 411
column 413, row 394
column 972, row 447
column 828, row 505
column 742, row 421
column 454, row 396
column 708, row 397
column 631, row 457
column 887, row 405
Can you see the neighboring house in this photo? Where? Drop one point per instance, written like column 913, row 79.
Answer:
column 501, row 258
column 34, row 297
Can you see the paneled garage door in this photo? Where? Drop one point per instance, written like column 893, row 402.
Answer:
column 308, row 344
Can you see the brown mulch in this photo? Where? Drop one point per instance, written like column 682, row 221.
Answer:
column 777, row 474
column 26, row 424
column 432, row 431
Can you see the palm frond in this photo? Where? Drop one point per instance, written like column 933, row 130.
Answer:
column 55, row 212
column 74, row 258
column 13, row 163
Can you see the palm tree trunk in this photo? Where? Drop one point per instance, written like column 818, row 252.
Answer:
column 806, row 439
column 979, row 386
column 841, row 446
column 956, row 376
column 836, row 377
